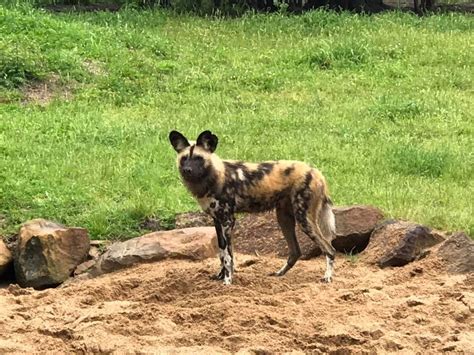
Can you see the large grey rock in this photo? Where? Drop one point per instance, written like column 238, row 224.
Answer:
column 47, row 253
column 397, row 243
column 458, row 253
column 5, row 257
column 190, row 243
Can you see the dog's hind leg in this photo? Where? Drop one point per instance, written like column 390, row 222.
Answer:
column 327, row 223
column 311, row 228
column 286, row 220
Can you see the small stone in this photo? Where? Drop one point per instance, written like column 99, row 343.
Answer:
column 377, row 334
column 416, row 271
column 414, row 303
column 94, row 253
column 84, row 267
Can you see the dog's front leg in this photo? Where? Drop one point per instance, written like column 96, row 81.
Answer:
column 224, row 224
column 221, row 242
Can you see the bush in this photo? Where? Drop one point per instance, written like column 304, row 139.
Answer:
column 18, row 67
column 203, row 7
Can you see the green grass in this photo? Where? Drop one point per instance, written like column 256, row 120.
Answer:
column 352, row 258
column 381, row 104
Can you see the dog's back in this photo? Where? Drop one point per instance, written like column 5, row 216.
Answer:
column 257, row 187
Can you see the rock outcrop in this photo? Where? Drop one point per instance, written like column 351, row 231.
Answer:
column 96, row 250
column 354, row 225
column 458, row 252
column 397, row 243
column 47, row 253
column 190, row 243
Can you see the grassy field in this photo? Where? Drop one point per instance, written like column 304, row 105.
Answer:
column 382, row 104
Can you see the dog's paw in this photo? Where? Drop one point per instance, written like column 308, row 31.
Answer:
column 326, row 279
column 218, row 277
column 276, row 274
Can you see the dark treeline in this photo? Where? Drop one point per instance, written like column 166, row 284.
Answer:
column 233, row 7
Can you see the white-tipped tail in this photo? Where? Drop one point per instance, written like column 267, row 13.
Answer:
column 327, row 221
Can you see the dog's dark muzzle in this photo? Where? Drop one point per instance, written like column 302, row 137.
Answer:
column 189, row 175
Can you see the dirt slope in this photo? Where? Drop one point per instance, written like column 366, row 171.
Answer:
column 174, row 307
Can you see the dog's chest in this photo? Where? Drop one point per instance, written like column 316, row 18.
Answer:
column 231, row 204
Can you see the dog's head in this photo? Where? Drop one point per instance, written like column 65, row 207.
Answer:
column 194, row 159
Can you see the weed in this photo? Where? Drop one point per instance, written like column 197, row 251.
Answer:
column 352, row 258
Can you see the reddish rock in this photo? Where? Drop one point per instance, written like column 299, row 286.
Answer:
column 96, row 250
column 190, row 243
column 354, row 225
column 458, row 252
column 397, row 243
column 5, row 258
column 47, row 253
column 84, row 267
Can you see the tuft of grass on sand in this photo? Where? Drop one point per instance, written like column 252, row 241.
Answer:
column 382, row 104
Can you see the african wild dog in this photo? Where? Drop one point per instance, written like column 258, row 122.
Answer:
column 223, row 187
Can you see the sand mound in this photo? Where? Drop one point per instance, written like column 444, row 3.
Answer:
column 173, row 306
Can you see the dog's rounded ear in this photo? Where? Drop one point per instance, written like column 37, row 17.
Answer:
column 208, row 141
column 178, row 141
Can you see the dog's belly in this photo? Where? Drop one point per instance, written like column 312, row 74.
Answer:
column 261, row 204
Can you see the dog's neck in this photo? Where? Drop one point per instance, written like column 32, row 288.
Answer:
column 212, row 182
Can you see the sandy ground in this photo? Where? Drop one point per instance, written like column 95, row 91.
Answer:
column 174, row 307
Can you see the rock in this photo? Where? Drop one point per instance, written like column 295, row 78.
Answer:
column 414, row 302
column 151, row 223
column 458, row 252
column 100, row 243
column 16, row 290
column 397, row 243
column 94, row 253
column 260, row 233
column 96, row 250
column 190, row 243
column 47, row 253
column 193, row 219
column 354, row 225
column 98, row 247
column 84, row 267
column 5, row 258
